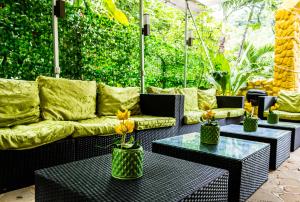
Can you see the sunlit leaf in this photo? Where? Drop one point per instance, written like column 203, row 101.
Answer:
column 121, row 17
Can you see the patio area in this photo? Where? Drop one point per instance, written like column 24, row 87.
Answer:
column 157, row 100
column 282, row 185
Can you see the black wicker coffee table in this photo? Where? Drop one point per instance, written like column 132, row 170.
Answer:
column 246, row 161
column 293, row 127
column 280, row 141
column 165, row 179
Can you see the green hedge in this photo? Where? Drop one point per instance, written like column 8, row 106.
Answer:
column 95, row 47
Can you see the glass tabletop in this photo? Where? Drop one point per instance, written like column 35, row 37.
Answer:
column 261, row 132
column 227, row 147
column 282, row 124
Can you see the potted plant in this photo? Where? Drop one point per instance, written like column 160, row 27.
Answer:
column 250, row 121
column 127, row 157
column 210, row 130
column 273, row 118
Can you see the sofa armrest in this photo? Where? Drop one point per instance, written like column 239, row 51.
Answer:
column 230, row 101
column 161, row 105
column 264, row 103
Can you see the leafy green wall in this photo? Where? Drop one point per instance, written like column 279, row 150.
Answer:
column 93, row 46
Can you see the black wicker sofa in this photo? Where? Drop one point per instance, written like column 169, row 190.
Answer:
column 18, row 166
column 265, row 102
column 223, row 102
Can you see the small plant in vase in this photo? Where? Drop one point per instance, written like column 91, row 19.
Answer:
column 210, row 130
column 273, row 118
column 127, row 157
column 250, row 121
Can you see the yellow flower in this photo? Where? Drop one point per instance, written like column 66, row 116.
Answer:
column 206, row 107
column 119, row 129
column 123, row 115
column 125, row 127
column 208, row 115
column 248, row 107
column 129, row 126
column 274, row 107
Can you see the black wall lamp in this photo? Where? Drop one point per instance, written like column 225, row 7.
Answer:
column 190, row 38
column 146, row 29
column 59, row 9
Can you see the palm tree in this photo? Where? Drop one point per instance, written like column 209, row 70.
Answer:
column 229, row 79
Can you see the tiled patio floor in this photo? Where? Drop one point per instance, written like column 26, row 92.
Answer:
column 283, row 185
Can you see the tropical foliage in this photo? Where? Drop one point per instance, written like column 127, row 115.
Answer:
column 231, row 75
column 99, row 40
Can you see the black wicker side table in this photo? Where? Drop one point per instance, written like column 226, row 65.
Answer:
column 283, row 125
column 164, row 179
column 246, row 161
column 280, row 141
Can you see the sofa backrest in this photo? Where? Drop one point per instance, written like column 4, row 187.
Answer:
column 112, row 99
column 67, row 100
column 19, row 102
column 289, row 101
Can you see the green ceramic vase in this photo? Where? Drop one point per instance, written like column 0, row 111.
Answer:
column 127, row 164
column 273, row 118
column 210, row 134
column 250, row 124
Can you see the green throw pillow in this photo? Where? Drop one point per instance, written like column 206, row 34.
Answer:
column 289, row 101
column 156, row 90
column 207, row 97
column 19, row 102
column 67, row 100
column 190, row 98
column 112, row 99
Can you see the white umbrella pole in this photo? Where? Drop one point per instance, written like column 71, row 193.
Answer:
column 185, row 43
column 142, row 46
column 55, row 41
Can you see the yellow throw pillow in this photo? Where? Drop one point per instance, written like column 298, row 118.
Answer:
column 289, row 101
column 190, row 98
column 19, row 102
column 112, row 99
column 207, row 97
column 156, row 90
column 67, row 100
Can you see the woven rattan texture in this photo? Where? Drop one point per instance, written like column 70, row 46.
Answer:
column 283, row 149
column 254, row 172
column 278, row 146
column 18, row 166
column 295, row 136
column 165, row 179
column 232, row 165
column 214, row 191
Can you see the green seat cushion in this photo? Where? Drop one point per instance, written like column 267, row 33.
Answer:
column 96, row 126
column 33, row 135
column 285, row 115
column 222, row 113
column 289, row 101
column 144, row 122
column 190, row 98
column 112, row 99
column 207, row 97
column 67, row 100
column 19, row 102
column 156, row 90
column 192, row 117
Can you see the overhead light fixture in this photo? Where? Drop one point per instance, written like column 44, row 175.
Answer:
column 59, row 9
column 146, row 29
column 190, row 38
